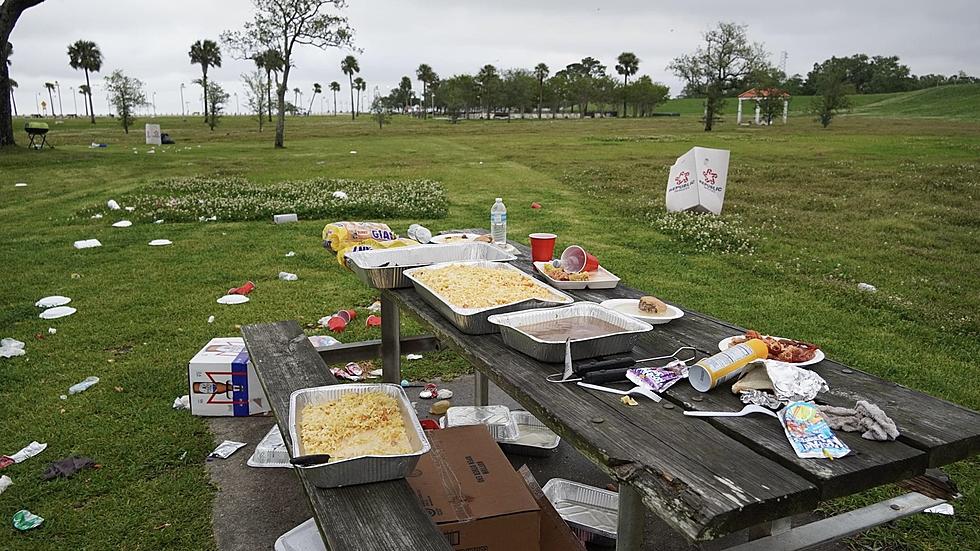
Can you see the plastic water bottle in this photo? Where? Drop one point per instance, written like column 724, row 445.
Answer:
column 498, row 222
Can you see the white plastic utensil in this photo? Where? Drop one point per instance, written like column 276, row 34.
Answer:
column 635, row 391
column 751, row 408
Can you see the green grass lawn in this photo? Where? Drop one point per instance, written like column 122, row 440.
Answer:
column 892, row 202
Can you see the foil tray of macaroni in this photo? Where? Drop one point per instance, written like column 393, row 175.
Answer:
column 592, row 513
column 364, row 469
column 473, row 321
column 385, row 268
column 619, row 342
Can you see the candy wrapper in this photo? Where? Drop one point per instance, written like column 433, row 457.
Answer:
column 226, row 448
column 809, row 434
column 792, row 383
column 658, row 379
column 25, row 520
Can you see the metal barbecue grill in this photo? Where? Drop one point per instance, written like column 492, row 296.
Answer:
column 38, row 131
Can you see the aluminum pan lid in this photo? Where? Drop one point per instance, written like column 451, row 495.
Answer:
column 516, row 320
column 412, row 257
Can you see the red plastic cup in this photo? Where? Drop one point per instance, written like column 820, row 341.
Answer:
column 542, row 246
column 575, row 259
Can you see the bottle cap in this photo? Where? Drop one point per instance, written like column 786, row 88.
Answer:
column 499, row 200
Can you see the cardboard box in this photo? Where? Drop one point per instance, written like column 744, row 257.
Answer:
column 697, row 181
column 474, row 495
column 222, row 381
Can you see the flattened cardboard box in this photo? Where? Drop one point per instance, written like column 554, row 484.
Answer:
column 222, row 381
column 474, row 495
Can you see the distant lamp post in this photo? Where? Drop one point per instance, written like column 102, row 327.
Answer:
column 74, row 98
column 60, row 107
column 183, row 106
column 37, row 102
column 237, row 110
column 154, row 105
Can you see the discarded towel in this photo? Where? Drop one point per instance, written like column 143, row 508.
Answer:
column 865, row 417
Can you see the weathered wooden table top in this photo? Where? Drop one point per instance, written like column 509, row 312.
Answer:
column 711, row 476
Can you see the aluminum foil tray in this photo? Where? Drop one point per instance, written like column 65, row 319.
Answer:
column 533, row 437
column 554, row 351
column 385, row 268
column 497, row 419
column 473, row 321
column 357, row 470
column 592, row 513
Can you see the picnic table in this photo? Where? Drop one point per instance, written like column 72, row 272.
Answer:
column 708, row 478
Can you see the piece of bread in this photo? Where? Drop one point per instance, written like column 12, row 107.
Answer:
column 652, row 305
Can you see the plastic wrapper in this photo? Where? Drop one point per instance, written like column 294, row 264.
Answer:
column 86, row 384
column 809, row 434
column 25, row 520
column 371, row 245
column 5, row 482
column 337, row 234
column 794, row 384
column 658, row 379
column 11, row 347
column 226, row 448
column 24, row 454
column 286, row 276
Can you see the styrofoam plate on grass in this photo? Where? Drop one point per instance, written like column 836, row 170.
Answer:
column 57, row 312
column 725, row 344
column 52, row 301
column 160, row 242
column 87, row 243
column 20, row 184
column 122, row 224
column 233, row 299
column 631, row 307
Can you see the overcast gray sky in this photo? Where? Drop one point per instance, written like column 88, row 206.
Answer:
column 150, row 40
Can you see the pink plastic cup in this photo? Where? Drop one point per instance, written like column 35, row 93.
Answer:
column 575, row 259
column 542, row 246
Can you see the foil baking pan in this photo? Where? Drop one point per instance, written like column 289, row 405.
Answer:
column 473, row 321
column 357, row 470
column 554, row 351
column 533, row 437
column 592, row 513
column 385, row 268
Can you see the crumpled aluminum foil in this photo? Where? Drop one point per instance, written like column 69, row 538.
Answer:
column 794, row 384
column 760, row 398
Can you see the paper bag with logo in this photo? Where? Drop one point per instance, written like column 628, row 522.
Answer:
column 697, row 181
column 153, row 134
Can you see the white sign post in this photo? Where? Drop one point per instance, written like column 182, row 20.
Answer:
column 153, row 134
column 697, row 181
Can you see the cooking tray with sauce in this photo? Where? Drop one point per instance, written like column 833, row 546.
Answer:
column 363, row 469
column 617, row 332
column 592, row 513
column 473, row 321
column 385, row 268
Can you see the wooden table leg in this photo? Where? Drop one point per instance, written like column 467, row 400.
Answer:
column 629, row 532
column 481, row 389
column 391, row 371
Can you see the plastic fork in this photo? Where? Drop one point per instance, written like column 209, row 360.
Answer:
column 751, row 408
column 635, row 391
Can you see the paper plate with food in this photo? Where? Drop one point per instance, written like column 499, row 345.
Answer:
column 791, row 351
column 461, row 237
column 559, row 278
column 649, row 309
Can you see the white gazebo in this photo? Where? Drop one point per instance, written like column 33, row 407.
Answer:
column 757, row 94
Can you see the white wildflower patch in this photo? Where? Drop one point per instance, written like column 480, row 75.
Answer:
column 707, row 233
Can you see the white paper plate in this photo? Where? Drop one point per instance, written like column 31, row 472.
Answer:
column 233, row 299
column 52, row 301
column 122, row 224
column 725, row 344
column 160, row 242
column 631, row 307
column 454, row 238
column 57, row 312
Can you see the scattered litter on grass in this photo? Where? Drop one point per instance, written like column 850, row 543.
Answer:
column 291, row 253
column 5, row 482
column 535, row 205
column 160, row 221
column 867, row 287
column 87, row 243
column 130, row 209
column 284, row 218
column 353, row 152
column 226, row 448
column 941, row 509
column 52, row 330
column 112, row 204
column 20, row 184
column 63, row 397
column 440, row 407
column 182, row 402
column 373, row 321
column 122, row 224
column 233, row 299
column 405, row 383
column 375, row 306
column 245, row 289
column 57, row 312
column 323, row 341
column 96, row 216
column 86, row 384
column 340, row 195
column 413, row 356
column 24, row 454
column 376, row 373
column 182, row 457
column 429, row 391
column 286, row 276
column 152, row 151
column 160, row 242
column 52, row 301
column 96, row 145
column 165, row 524
column 210, row 319
column 118, row 388
column 67, row 467
column 25, row 520
column 11, row 347
column 206, row 218
column 444, row 394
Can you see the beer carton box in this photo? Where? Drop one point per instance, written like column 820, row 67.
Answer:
column 697, row 181
column 153, row 134
column 223, row 381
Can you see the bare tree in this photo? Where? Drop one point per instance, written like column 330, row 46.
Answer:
column 282, row 25
column 719, row 67
column 10, row 12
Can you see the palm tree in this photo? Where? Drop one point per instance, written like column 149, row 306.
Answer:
column 316, row 90
column 349, row 66
column 335, row 87
column 628, row 65
column 50, row 87
column 270, row 61
column 205, row 53
column 541, row 72
column 296, row 93
column 361, row 86
column 85, row 55
column 84, row 91
column 426, row 76
column 13, row 100
column 487, row 77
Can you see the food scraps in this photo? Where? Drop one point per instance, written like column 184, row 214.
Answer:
column 629, row 401
column 559, row 274
column 784, row 350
